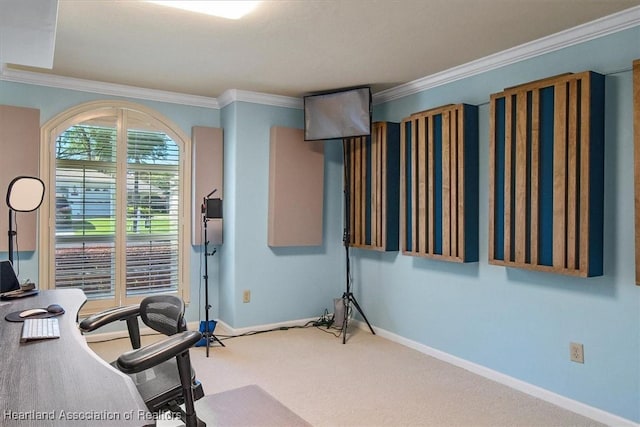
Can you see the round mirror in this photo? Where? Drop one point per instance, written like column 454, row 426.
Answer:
column 25, row 194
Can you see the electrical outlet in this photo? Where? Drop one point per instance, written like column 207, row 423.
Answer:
column 246, row 296
column 576, row 351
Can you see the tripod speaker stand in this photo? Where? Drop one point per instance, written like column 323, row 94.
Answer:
column 208, row 211
column 347, row 297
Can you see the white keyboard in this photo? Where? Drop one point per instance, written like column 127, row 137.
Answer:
column 40, row 329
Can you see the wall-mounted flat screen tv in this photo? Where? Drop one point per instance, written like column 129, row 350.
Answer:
column 337, row 114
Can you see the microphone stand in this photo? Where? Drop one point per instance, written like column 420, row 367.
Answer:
column 207, row 335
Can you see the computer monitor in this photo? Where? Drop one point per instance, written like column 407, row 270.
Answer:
column 8, row 279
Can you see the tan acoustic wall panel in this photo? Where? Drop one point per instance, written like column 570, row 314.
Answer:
column 19, row 145
column 296, row 186
column 208, row 173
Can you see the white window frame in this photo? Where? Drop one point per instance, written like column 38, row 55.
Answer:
column 47, row 216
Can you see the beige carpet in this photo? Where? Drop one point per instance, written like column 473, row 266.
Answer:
column 370, row 381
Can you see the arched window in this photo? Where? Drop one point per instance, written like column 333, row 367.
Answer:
column 117, row 182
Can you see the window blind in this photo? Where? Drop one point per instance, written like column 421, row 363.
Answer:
column 87, row 210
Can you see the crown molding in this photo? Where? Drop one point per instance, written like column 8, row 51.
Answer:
column 235, row 95
column 601, row 27
column 592, row 30
column 50, row 80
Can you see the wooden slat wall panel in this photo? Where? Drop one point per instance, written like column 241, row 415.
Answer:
column 636, row 127
column 374, row 182
column 569, row 125
column 439, row 204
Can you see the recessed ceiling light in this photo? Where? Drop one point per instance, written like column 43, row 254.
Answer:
column 224, row 9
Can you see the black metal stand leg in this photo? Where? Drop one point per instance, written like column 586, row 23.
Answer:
column 210, row 339
column 348, row 298
column 355, row 303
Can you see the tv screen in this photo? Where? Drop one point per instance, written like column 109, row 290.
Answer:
column 337, row 114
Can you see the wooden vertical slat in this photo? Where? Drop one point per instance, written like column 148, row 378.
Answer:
column 377, row 211
column 636, row 156
column 521, row 177
column 355, row 194
column 360, row 185
column 461, row 180
column 363, row 191
column 345, row 172
column 403, row 185
column 431, row 185
column 422, row 187
column 381, row 183
column 572, row 174
column 418, row 185
column 585, row 177
column 363, row 185
column 508, row 168
column 374, row 172
column 492, row 175
column 351, row 177
column 383, row 146
column 454, row 170
column 352, row 185
column 446, row 184
column 534, row 232
column 559, row 176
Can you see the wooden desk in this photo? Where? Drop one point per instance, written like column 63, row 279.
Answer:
column 61, row 382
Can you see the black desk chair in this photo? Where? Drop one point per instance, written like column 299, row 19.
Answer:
column 161, row 371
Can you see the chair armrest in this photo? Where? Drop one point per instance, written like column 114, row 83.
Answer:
column 156, row 353
column 98, row 320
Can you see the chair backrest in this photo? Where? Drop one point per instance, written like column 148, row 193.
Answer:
column 163, row 313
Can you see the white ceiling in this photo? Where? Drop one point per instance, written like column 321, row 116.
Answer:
column 293, row 47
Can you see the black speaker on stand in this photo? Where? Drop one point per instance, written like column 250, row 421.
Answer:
column 211, row 209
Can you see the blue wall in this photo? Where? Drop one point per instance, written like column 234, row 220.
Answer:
column 285, row 283
column 519, row 322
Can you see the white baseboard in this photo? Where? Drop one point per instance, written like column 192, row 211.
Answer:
column 530, row 389
column 239, row 331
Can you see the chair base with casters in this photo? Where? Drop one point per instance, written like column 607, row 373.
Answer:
column 162, row 370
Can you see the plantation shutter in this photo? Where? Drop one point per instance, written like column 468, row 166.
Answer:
column 88, row 208
column 152, row 212
column 85, row 209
